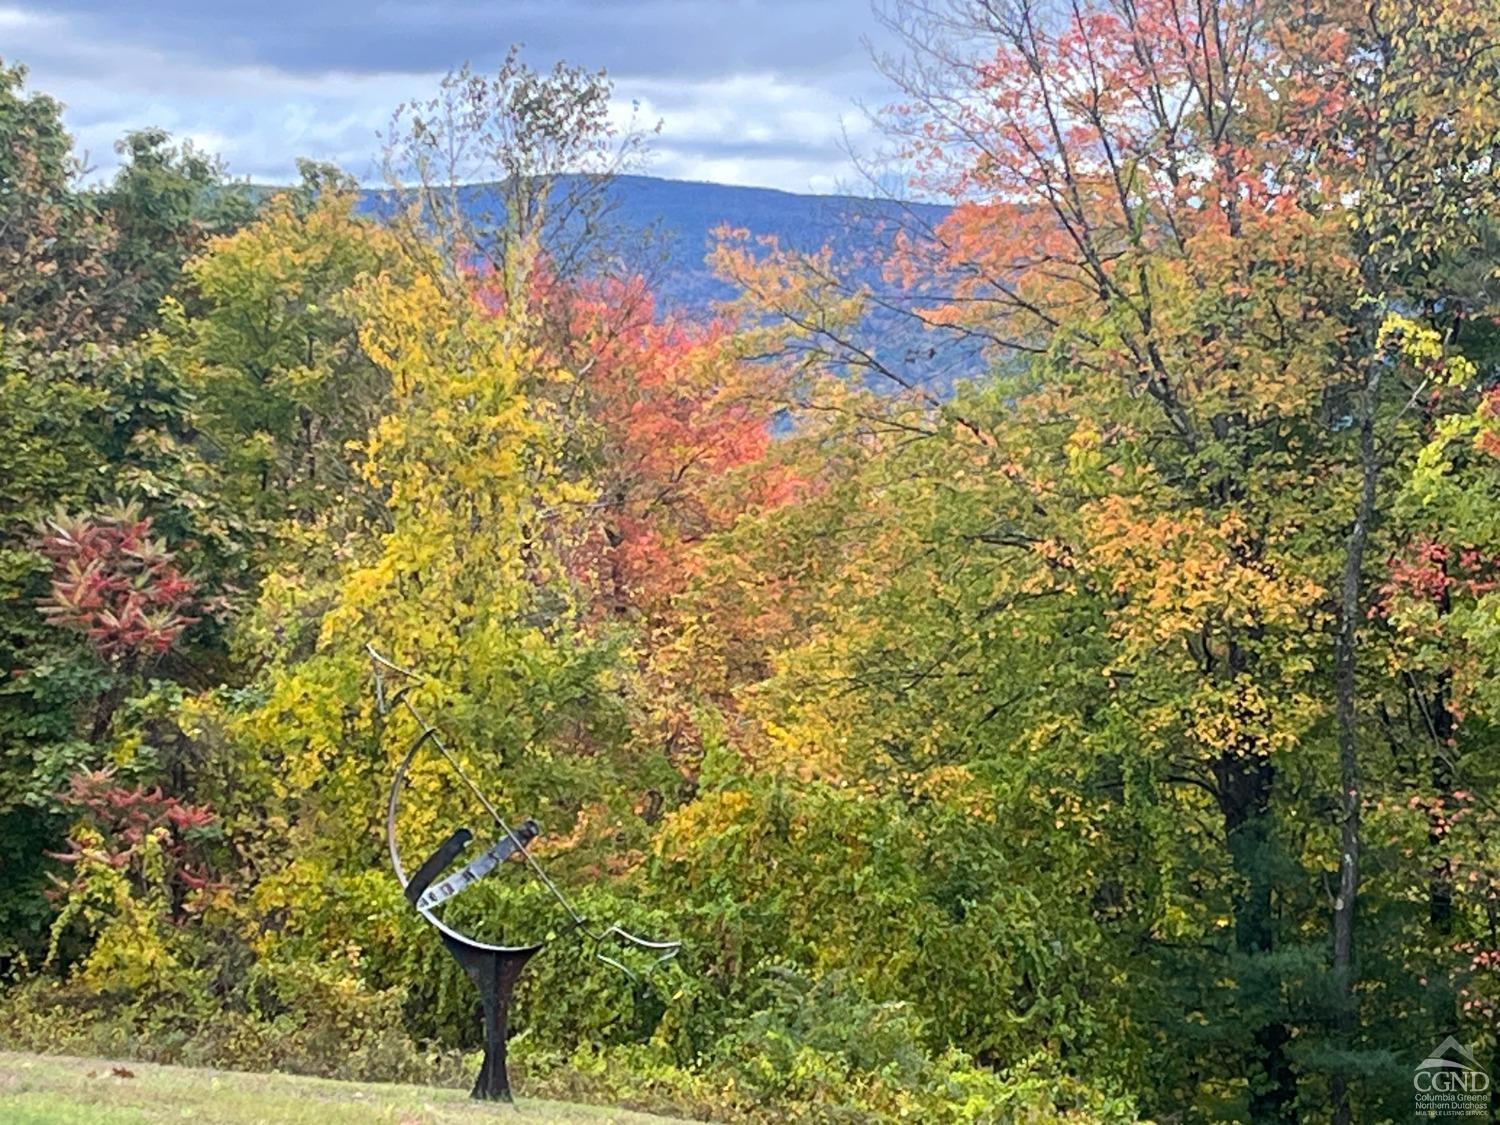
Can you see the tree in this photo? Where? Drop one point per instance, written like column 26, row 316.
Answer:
column 1415, row 102
column 165, row 201
column 268, row 341
column 52, row 240
column 91, row 420
column 1153, row 232
column 512, row 172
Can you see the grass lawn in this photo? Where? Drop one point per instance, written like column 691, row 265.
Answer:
column 56, row 1090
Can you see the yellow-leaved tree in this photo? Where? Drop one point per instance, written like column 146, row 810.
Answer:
column 458, row 577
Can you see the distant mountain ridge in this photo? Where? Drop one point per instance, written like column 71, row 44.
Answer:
column 684, row 214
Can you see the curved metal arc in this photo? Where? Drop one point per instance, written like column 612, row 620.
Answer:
column 430, row 732
column 398, row 783
column 668, row 949
column 644, row 943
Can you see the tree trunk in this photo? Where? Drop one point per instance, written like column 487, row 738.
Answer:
column 1245, row 779
column 1346, row 690
column 1443, row 999
column 1440, row 884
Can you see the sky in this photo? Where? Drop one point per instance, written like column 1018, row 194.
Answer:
column 756, row 92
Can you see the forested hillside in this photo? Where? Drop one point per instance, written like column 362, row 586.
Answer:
column 1104, row 735
column 665, row 229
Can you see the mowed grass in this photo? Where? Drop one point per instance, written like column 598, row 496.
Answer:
column 58, row 1090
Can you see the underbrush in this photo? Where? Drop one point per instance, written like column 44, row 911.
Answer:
column 345, row 997
column 821, row 1058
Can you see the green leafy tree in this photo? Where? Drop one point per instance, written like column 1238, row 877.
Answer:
column 268, row 343
column 52, row 239
column 163, row 204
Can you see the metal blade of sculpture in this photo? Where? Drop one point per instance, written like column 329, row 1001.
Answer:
column 493, row 968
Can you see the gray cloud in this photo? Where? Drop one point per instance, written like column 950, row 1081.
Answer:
column 749, row 91
column 686, row 38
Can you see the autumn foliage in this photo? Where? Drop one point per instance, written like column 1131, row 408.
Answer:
column 123, row 819
column 116, row 584
column 684, row 434
column 1047, row 672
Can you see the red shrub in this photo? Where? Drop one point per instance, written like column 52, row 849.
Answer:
column 111, row 580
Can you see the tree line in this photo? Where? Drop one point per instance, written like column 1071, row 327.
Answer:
column 1104, row 737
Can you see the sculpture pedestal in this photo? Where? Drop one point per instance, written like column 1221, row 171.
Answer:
column 494, row 974
column 492, row 968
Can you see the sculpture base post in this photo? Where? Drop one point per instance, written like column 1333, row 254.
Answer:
column 494, row 973
column 492, row 968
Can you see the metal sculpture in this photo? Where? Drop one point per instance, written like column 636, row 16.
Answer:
column 494, row 969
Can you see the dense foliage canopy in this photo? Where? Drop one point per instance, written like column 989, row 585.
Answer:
column 1107, row 736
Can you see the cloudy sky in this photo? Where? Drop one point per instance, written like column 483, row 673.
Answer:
column 748, row 91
